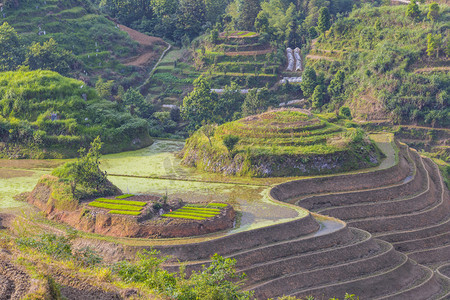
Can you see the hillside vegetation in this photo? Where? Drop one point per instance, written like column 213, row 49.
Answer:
column 385, row 64
column 280, row 143
column 44, row 115
column 96, row 47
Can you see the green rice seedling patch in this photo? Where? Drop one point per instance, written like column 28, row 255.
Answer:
column 195, row 214
column 115, row 206
column 125, row 212
column 124, row 202
column 124, row 196
column 198, row 211
column 217, row 205
column 183, row 217
column 200, row 208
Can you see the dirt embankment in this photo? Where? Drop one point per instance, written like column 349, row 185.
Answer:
column 148, row 50
column 147, row 225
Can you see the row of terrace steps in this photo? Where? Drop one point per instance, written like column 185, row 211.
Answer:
column 417, row 223
column 330, row 262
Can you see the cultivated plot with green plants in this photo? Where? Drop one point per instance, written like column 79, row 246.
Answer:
column 197, row 211
column 285, row 142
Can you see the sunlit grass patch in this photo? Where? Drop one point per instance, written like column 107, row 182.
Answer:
column 124, row 196
column 183, row 217
column 124, row 202
column 125, row 212
column 115, row 206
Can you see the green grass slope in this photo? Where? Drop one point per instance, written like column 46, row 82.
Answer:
column 29, row 98
column 388, row 72
column 282, row 143
column 75, row 25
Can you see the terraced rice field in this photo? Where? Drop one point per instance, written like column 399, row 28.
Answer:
column 121, row 207
column 195, row 212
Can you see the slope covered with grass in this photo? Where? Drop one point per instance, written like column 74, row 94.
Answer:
column 43, row 114
column 388, row 73
column 100, row 48
column 282, row 143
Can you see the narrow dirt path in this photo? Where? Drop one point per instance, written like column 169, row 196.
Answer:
column 148, row 52
column 432, row 69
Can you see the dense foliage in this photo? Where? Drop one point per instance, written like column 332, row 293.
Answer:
column 393, row 54
column 67, row 36
column 43, row 114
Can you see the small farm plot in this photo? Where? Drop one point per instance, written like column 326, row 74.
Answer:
column 120, row 206
column 197, row 212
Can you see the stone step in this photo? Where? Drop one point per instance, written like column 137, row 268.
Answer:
column 379, row 260
column 370, row 286
column 292, row 190
column 413, row 185
column 362, row 246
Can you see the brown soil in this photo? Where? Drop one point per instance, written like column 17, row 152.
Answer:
column 146, row 225
column 14, row 282
column 147, row 52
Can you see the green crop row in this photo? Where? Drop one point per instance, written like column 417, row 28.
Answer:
column 115, row 206
column 218, row 205
column 124, row 196
column 191, row 213
column 125, row 212
column 125, row 202
column 183, row 217
column 200, row 208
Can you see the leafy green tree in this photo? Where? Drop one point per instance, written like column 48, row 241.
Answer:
column 257, row 101
column 280, row 17
column 164, row 8
column 336, row 87
column 49, row 56
column 85, row 172
column 230, row 102
column 434, row 43
column 324, row 23
column 137, row 104
column 191, row 16
column 218, row 281
column 199, row 105
column 412, row 10
column 247, row 12
column 309, row 81
column 214, row 8
column 208, row 129
column 104, row 88
column 318, row 97
column 230, row 142
column 214, row 36
column 345, row 112
column 433, row 11
column 11, row 52
column 262, row 22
